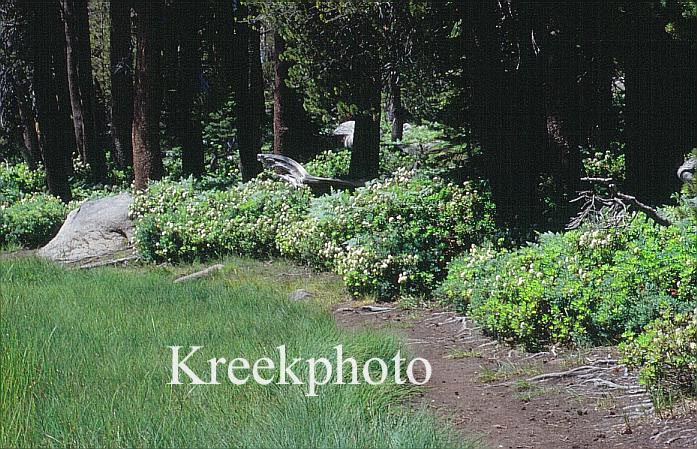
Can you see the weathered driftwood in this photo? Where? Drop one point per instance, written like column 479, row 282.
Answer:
column 686, row 172
column 294, row 173
column 200, row 274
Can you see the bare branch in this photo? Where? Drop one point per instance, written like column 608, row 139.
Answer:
column 612, row 210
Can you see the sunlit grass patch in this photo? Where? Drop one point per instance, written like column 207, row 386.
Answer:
column 85, row 363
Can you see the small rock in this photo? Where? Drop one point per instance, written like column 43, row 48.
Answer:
column 300, row 295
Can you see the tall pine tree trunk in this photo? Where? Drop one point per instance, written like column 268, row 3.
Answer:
column 554, row 27
column 292, row 130
column 147, row 157
column 648, row 176
column 598, row 122
column 225, row 53
column 60, row 64
column 52, row 142
column 169, row 66
column 248, row 96
column 187, row 117
column 365, row 153
column 396, row 111
column 660, row 109
column 81, row 82
column 502, row 102
column 121, row 59
column 28, row 120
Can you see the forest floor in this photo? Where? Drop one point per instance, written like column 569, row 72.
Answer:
column 512, row 399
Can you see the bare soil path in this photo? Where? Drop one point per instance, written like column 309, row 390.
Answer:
column 513, row 399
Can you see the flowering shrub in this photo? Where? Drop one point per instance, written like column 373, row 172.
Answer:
column 162, row 197
column 606, row 164
column 586, row 286
column 32, row 221
column 177, row 223
column 330, row 164
column 392, row 237
column 666, row 352
column 17, row 180
column 335, row 164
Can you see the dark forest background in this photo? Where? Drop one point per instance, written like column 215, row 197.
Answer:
column 119, row 85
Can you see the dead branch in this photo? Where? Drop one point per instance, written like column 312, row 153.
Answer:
column 200, row 274
column 294, row 173
column 376, row 309
column 106, row 263
column 598, row 382
column 648, row 210
column 563, row 374
column 612, row 210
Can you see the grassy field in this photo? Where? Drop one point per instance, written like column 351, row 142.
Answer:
column 84, row 363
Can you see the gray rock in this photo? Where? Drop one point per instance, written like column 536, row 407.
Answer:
column 687, row 170
column 97, row 229
column 345, row 128
column 345, row 132
column 300, row 295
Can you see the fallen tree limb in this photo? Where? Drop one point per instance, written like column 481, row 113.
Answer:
column 106, row 263
column 294, row 173
column 563, row 374
column 200, row 274
column 376, row 309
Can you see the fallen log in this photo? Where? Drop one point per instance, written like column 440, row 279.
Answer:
column 294, row 173
column 108, row 263
column 200, row 274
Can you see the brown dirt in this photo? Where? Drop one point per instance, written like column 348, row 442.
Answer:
column 484, row 389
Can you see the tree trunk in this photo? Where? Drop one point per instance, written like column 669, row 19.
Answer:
column 121, row 59
column 365, row 154
column 282, row 143
column 503, row 100
column 169, row 66
column 256, row 98
column 82, row 93
column 60, row 64
column 29, row 135
column 147, row 158
column 396, row 111
column 292, row 130
column 250, row 97
column 187, row 117
column 653, row 139
column 598, row 122
column 225, row 53
column 555, row 30
column 40, row 20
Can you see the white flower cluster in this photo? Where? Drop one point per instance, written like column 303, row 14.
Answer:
column 597, row 239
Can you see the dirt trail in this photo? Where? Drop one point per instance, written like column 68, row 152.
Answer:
column 512, row 399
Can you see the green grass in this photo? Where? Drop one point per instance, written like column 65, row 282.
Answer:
column 85, row 363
